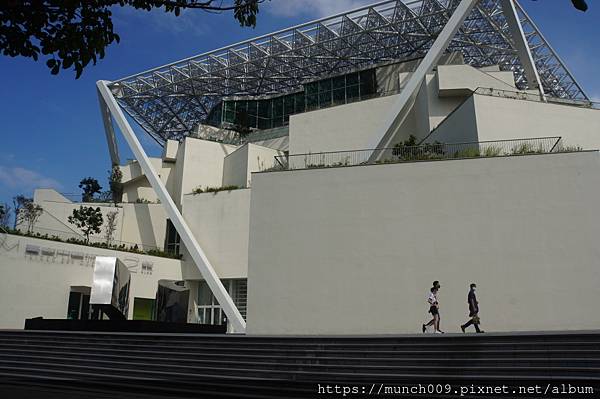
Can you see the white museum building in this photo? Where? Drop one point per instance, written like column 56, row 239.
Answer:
column 316, row 180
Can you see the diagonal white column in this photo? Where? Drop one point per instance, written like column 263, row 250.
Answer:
column 199, row 257
column 383, row 136
column 109, row 130
column 523, row 50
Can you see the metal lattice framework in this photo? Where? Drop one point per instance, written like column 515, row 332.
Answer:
column 170, row 101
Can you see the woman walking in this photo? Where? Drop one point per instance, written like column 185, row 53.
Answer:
column 434, row 309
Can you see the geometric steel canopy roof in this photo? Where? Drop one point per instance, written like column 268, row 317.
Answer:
column 169, row 101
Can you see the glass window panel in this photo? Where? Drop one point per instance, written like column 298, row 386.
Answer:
column 352, row 79
column 73, row 306
column 241, row 106
column 352, row 94
column 201, row 316
column 312, row 102
column 289, row 104
column 339, row 96
column 85, row 307
column 229, row 112
column 367, row 84
column 264, row 109
column 278, row 121
column 324, row 99
column 205, row 297
column 278, row 107
column 339, row 82
column 300, row 103
column 325, row 85
column 214, row 117
column 352, row 90
column 252, row 113
column 217, row 316
column 312, row 88
column 143, row 309
column 264, row 114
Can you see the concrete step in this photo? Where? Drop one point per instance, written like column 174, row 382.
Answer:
column 174, row 364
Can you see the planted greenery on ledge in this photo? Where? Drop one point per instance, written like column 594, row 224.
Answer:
column 408, row 151
column 121, row 247
column 214, row 190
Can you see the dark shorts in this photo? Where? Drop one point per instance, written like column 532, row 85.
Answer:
column 434, row 310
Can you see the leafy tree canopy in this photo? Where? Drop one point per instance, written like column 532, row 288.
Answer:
column 73, row 33
column 581, row 5
column 90, row 187
column 87, row 219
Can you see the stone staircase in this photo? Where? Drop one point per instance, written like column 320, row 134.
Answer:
column 98, row 365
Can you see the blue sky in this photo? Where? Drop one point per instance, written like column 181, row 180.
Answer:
column 52, row 134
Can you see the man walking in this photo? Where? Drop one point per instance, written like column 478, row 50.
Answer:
column 473, row 310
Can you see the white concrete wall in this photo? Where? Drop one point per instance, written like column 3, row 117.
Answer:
column 137, row 187
column 354, row 250
column 345, row 127
column 170, row 151
column 141, row 224
column 56, row 212
column 39, row 285
column 138, row 190
column 219, row 222
column 144, row 224
column 235, row 168
column 349, row 127
column 487, row 118
column 459, row 127
column 499, row 118
column 202, row 165
column 279, row 143
column 462, row 79
column 438, row 107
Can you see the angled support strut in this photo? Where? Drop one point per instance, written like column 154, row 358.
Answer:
column 204, row 266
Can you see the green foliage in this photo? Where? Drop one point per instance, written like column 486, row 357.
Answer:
column 120, row 247
column 163, row 254
column 3, row 215
column 214, row 190
column 581, row 5
column 399, row 148
column 90, row 187
column 527, row 148
column 469, row 152
column 410, row 151
column 492, row 151
column 74, row 33
column 88, row 220
column 142, row 201
column 111, row 226
column 115, row 176
column 26, row 211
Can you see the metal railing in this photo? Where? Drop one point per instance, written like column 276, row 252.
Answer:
column 423, row 152
column 527, row 96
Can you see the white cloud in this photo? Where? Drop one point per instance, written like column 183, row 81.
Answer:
column 317, row 8
column 189, row 22
column 25, row 179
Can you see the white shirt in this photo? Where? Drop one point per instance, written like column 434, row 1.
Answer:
column 432, row 299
